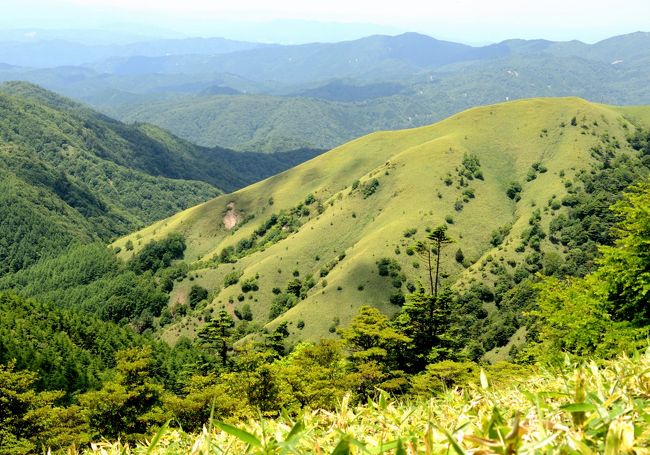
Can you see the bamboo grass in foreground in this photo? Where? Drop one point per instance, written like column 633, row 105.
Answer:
column 585, row 409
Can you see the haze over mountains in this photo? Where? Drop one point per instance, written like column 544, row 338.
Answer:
column 249, row 96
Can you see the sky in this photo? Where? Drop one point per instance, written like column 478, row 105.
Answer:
column 471, row 21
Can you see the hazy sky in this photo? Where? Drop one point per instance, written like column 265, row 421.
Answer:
column 464, row 20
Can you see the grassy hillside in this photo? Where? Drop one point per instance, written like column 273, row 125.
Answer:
column 505, row 168
column 565, row 393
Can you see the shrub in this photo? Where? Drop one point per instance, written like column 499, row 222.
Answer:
column 514, row 191
column 197, row 294
column 410, row 232
column 499, row 235
column 370, row 188
column 281, row 303
column 460, row 257
column 232, row 278
column 245, row 313
column 397, row 299
column 250, row 284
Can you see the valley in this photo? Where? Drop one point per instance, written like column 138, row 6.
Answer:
column 72, row 175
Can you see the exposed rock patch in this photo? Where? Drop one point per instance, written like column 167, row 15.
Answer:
column 231, row 218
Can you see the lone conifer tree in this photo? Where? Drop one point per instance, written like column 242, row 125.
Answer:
column 217, row 334
column 436, row 239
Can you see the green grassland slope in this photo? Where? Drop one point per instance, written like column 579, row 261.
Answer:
column 349, row 208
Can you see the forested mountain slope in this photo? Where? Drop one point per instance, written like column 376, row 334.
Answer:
column 71, row 174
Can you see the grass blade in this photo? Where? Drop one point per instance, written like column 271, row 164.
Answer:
column 156, row 438
column 240, row 434
column 579, row 407
column 298, row 428
column 343, row 447
column 457, row 448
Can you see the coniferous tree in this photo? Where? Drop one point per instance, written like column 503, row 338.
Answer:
column 274, row 341
column 374, row 345
column 130, row 405
column 217, row 334
column 434, row 241
column 439, row 238
column 428, row 321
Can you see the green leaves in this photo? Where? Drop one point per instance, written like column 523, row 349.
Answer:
column 625, row 267
column 156, row 439
column 343, row 447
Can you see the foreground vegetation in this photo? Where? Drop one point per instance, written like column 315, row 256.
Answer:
column 583, row 407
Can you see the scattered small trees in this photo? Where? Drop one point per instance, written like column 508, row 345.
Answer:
column 158, row 254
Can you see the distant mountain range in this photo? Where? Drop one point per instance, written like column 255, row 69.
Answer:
column 58, row 52
column 249, row 96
